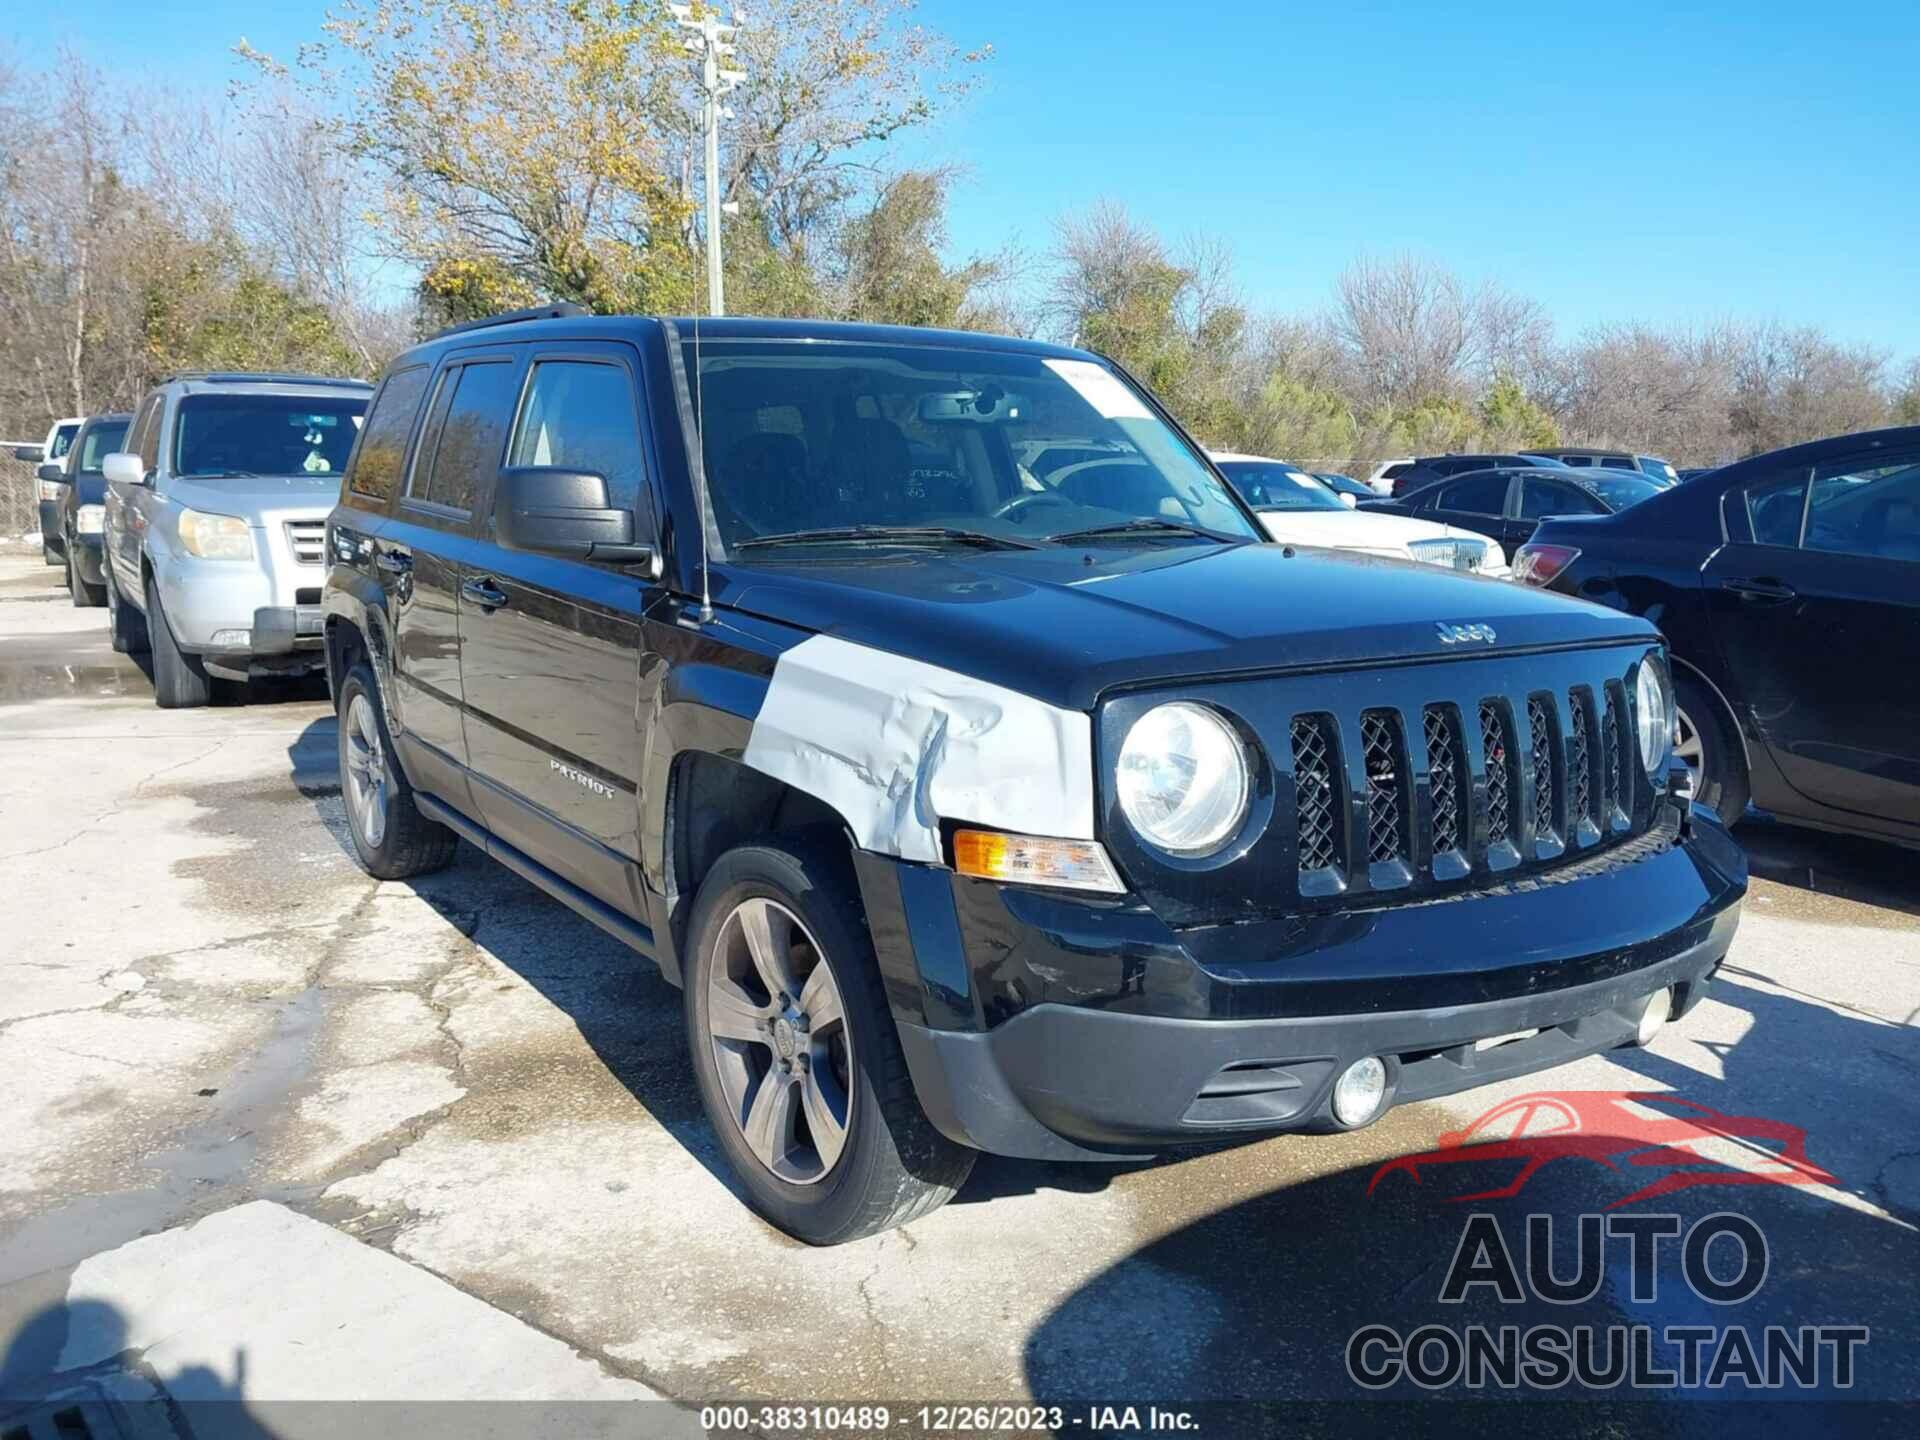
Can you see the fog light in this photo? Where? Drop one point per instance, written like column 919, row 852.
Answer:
column 1655, row 1011
column 1359, row 1090
column 232, row 639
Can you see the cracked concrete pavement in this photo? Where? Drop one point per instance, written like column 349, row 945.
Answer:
column 208, row 1010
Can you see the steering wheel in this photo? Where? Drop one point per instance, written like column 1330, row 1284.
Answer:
column 1020, row 504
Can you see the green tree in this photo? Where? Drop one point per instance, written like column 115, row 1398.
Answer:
column 890, row 262
column 1512, row 420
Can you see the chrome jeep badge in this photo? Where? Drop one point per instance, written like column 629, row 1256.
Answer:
column 1463, row 634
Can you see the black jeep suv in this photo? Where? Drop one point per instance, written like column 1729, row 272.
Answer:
column 976, row 808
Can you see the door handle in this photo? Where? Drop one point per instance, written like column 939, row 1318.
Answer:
column 484, row 593
column 1764, row 591
column 394, row 563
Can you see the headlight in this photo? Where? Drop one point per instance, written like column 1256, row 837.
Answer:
column 215, row 537
column 50, row 489
column 1655, row 718
column 90, row 519
column 1182, row 779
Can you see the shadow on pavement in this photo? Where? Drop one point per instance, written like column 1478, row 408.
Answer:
column 1259, row 1300
column 1872, row 872
column 43, row 1392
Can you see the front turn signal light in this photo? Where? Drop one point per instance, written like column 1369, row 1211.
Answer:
column 1035, row 860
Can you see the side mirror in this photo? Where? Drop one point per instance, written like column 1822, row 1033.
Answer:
column 53, row 472
column 552, row 511
column 1350, row 501
column 121, row 468
column 32, row 454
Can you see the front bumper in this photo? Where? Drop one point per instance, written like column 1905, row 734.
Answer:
column 1055, row 1028
column 238, row 615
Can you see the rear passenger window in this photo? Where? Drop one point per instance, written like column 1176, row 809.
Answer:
column 1540, row 499
column 147, row 434
column 468, row 454
column 383, row 445
column 1775, row 508
column 580, row 416
column 1576, row 459
column 1477, row 495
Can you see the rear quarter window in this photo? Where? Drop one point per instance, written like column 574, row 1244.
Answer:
column 383, row 445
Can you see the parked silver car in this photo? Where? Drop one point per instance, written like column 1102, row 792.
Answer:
column 215, row 525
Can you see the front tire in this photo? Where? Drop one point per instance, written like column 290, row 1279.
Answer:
column 391, row 838
column 49, row 554
column 795, row 1053
column 180, row 680
column 85, row 596
column 126, row 626
column 1711, row 750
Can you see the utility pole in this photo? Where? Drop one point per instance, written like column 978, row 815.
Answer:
column 711, row 42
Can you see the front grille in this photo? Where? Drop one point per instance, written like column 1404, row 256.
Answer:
column 1443, row 770
column 1496, row 748
column 1314, row 791
column 307, row 539
column 1386, row 792
column 1579, row 763
column 1540, row 729
column 1448, row 780
column 1610, row 796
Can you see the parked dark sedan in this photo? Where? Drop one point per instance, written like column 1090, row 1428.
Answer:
column 78, row 511
column 1429, row 468
column 1509, row 503
column 1789, row 588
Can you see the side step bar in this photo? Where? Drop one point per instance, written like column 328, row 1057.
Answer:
column 632, row 932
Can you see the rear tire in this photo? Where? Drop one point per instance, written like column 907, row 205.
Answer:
column 884, row 1163
column 391, row 838
column 1712, row 751
column 180, row 680
column 126, row 626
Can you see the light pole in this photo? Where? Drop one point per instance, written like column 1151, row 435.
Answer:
column 711, row 42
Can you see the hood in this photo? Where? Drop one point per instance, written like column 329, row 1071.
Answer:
column 260, row 498
column 1065, row 624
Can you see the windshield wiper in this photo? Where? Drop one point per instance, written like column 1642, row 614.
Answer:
column 1147, row 524
column 883, row 534
column 223, row 475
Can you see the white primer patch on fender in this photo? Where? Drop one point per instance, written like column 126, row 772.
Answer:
column 896, row 746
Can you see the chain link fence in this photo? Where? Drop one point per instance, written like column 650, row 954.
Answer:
column 19, row 515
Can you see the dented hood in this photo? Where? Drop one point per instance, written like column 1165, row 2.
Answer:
column 1065, row 624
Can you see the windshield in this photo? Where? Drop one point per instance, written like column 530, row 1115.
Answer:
column 803, row 437
column 102, row 440
column 1267, row 486
column 257, row 434
column 1619, row 489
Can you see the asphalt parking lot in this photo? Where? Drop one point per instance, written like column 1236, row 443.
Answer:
column 216, row 1032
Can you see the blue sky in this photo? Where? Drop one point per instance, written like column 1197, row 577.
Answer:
column 1671, row 162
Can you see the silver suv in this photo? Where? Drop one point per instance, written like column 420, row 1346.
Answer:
column 215, row 525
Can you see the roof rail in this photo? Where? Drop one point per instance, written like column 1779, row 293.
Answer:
column 559, row 310
column 268, row 377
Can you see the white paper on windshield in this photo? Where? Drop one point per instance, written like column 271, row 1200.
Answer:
column 1101, row 389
